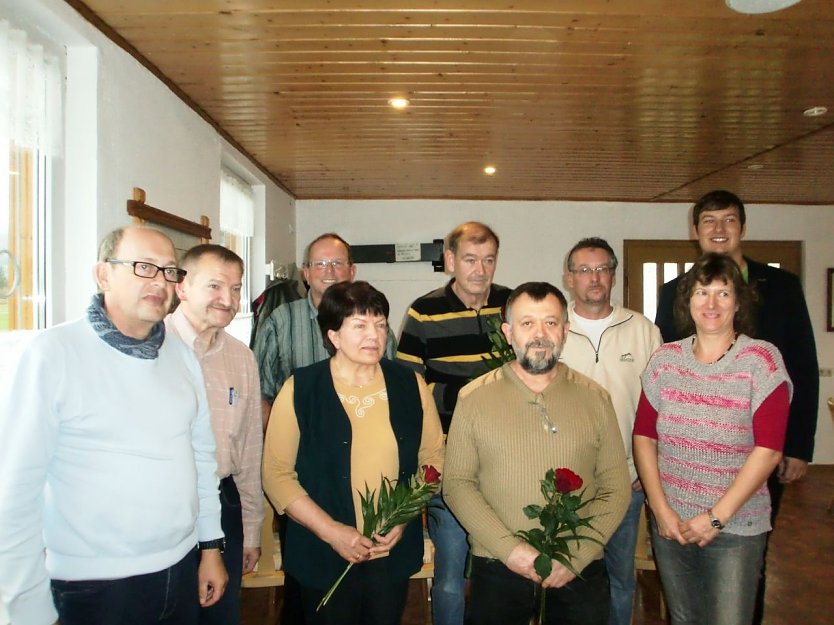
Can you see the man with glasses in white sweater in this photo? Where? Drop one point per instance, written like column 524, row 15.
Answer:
column 109, row 509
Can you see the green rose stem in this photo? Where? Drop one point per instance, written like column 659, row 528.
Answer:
column 333, row 588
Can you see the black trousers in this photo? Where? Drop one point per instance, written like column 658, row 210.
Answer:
column 227, row 610
column 367, row 596
column 501, row 597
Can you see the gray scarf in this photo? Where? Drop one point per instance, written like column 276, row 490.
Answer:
column 107, row 332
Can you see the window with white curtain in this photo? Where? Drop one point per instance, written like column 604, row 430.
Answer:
column 30, row 136
column 237, row 224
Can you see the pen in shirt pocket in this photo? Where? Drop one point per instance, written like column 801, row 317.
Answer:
column 231, row 395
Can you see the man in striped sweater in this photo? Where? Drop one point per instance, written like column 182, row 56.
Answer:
column 445, row 338
column 510, row 427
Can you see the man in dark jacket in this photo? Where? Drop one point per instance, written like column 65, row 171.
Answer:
column 782, row 318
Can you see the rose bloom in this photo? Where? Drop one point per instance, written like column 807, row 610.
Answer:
column 567, row 481
column 430, row 474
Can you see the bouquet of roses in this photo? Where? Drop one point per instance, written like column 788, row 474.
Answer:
column 398, row 502
column 560, row 520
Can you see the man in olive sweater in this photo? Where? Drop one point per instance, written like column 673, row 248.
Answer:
column 510, row 426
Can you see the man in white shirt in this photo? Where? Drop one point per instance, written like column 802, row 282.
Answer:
column 611, row 345
column 109, row 476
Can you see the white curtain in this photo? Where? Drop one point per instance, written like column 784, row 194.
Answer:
column 237, row 205
column 30, row 93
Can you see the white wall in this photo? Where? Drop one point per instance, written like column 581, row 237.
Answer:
column 126, row 129
column 535, row 236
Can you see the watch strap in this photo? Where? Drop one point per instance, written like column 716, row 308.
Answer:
column 217, row 543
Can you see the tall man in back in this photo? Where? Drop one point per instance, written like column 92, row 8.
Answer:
column 445, row 338
column 611, row 345
column 209, row 300
column 718, row 220
column 109, row 476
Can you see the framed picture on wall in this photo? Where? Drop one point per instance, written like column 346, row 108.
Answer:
column 829, row 319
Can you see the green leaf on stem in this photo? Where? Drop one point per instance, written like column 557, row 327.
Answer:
column 500, row 351
column 543, row 566
column 532, row 511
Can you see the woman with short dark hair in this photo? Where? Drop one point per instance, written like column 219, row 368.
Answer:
column 709, row 431
column 336, row 427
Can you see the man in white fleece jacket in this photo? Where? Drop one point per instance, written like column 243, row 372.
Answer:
column 107, row 459
column 611, row 345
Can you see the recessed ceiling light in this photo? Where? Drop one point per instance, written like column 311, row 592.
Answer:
column 760, row 6
column 755, row 166
column 489, row 170
column 399, row 103
column 815, row 111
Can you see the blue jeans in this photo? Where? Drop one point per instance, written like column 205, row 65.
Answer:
column 227, row 610
column 501, row 597
column 166, row 597
column 715, row 584
column 619, row 562
column 451, row 550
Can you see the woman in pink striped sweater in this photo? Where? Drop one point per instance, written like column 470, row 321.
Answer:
column 709, row 431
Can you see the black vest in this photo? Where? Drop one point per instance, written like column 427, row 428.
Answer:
column 323, row 467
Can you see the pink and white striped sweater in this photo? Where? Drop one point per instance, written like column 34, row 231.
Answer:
column 707, row 419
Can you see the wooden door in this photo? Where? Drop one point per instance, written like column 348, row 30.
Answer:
column 648, row 264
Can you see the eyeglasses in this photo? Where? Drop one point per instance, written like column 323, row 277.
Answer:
column 149, row 270
column 602, row 270
column 549, row 426
column 322, row 265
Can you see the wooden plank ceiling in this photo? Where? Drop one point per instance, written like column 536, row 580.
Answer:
column 634, row 100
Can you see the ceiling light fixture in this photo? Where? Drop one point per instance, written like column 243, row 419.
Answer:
column 489, row 170
column 815, row 111
column 760, row 6
column 399, row 103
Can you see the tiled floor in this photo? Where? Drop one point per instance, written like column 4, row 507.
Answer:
column 800, row 565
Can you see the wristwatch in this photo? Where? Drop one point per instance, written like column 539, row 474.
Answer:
column 217, row 543
column 714, row 521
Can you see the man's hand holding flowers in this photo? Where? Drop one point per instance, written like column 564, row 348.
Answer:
column 522, row 561
column 547, row 550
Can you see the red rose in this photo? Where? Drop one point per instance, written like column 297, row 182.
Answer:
column 567, row 481
column 430, row 474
